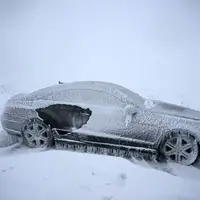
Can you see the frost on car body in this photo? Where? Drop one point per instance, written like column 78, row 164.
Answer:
column 110, row 111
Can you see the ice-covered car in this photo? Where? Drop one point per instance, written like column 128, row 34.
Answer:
column 101, row 115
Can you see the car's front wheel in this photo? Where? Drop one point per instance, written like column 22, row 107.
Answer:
column 180, row 147
column 36, row 134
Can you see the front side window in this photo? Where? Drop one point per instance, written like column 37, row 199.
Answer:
column 85, row 96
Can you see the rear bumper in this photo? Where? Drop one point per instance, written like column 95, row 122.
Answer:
column 11, row 127
column 13, row 117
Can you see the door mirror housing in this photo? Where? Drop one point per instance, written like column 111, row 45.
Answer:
column 129, row 112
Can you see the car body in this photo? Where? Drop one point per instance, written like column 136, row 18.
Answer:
column 109, row 112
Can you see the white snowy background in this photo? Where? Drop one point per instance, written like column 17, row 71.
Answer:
column 151, row 47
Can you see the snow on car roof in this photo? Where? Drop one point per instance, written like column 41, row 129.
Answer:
column 119, row 91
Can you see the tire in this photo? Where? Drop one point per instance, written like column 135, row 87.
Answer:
column 179, row 147
column 36, row 134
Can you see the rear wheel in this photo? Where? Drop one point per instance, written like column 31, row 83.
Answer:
column 180, row 147
column 36, row 134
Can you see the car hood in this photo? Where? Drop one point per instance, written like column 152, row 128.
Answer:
column 173, row 110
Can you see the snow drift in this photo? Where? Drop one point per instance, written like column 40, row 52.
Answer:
column 64, row 175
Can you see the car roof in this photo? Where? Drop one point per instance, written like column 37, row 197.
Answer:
column 117, row 90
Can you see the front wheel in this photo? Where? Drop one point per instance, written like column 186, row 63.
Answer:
column 36, row 134
column 180, row 147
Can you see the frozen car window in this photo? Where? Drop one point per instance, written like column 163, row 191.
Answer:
column 39, row 94
column 85, row 96
column 130, row 97
column 108, row 92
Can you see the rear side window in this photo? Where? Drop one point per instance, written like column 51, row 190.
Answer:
column 85, row 96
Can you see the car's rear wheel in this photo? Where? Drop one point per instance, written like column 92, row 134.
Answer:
column 36, row 134
column 180, row 147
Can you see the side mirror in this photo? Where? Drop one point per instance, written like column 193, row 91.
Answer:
column 129, row 112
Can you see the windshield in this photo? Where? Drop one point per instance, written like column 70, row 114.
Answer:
column 132, row 97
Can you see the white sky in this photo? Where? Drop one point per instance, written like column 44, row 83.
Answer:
column 139, row 44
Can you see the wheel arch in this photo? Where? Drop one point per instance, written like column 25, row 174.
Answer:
column 29, row 122
column 177, row 130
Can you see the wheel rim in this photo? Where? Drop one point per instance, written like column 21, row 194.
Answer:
column 181, row 149
column 36, row 134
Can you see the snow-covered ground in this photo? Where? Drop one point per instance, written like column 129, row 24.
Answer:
column 151, row 47
column 55, row 174
column 64, row 175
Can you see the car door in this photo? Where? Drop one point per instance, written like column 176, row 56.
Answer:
column 107, row 110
